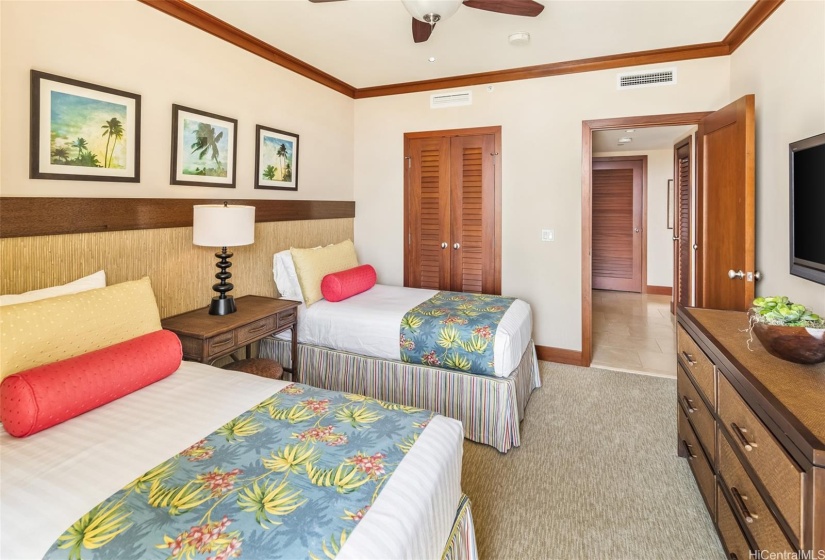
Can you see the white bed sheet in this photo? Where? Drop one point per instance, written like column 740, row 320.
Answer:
column 369, row 323
column 50, row 479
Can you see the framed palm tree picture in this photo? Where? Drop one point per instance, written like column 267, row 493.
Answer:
column 276, row 159
column 82, row 131
column 203, row 148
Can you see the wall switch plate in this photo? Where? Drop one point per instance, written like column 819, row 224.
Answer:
column 547, row 235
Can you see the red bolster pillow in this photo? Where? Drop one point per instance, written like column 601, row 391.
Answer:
column 347, row 283
column 39, row 398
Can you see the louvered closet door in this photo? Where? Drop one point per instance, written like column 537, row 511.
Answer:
column 682, row 226
column 428, row 214
column 617, row 229
column 473, row 213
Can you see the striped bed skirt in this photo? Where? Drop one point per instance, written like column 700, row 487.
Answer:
column 462, row 542
column 490, row 408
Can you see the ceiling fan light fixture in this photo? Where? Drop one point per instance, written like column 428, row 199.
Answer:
column 431, row 11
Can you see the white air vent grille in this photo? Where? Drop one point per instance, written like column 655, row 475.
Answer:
column 455, row 99
column 665, row 76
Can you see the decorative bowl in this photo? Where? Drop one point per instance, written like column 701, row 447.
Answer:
column 794, row 344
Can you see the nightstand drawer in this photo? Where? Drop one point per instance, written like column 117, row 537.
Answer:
column 220, row 343
column 698, row 413
column 733, row 537
column 702, row 471
column 287, row 317
column 698, row 364
column 254, row 331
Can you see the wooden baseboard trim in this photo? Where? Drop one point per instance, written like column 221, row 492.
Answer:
column 660, row 290
column 28, row 217
column 559, row 355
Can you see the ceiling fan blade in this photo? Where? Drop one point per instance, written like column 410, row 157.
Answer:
column 527, row 8
column 421, row 30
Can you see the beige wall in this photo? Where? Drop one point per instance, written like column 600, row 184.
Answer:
column 783, row 63
column 541, row 123
column 129, row 46
column 659, row 238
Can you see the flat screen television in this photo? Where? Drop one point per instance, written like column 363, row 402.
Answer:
column 807, row 162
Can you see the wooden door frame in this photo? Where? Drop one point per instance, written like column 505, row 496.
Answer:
column 496, row 132
column 687, row 141
column 588, row 127
column 643, row 256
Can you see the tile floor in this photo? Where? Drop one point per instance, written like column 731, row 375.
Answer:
column 634, row 333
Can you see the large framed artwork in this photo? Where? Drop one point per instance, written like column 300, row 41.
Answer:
column 204, row 148
column 276, row 159
column 83, row 132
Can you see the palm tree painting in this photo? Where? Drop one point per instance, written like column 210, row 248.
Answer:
column 277, row 156
column 75, row 137
column 207, row 148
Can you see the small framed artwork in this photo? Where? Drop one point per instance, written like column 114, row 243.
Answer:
column 204, row 148
column 671, row 201
column 83, row 132
column 276, row 159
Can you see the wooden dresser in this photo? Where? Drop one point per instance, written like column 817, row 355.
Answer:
column 752, row 427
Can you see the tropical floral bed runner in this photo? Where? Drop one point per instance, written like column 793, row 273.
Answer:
column 454, row 330
column 289, row 478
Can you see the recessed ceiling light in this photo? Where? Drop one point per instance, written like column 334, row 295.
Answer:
column 625, row 139
column 431, row 59
column 630, row 130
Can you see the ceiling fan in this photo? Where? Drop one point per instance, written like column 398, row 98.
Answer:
column 426, row 13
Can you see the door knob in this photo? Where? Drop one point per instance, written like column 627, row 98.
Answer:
column 456, row 246
column 444, row 245
column 735, row 274
column 636, row 230
column 757, row 275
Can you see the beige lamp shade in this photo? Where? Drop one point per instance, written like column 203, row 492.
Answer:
column 219, row 225
column 424, row 10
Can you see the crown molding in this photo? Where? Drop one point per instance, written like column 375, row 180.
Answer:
column 744, row 28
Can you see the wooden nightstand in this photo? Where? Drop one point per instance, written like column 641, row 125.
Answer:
column 205, row 337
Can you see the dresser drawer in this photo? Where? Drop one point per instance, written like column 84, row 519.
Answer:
column 779, row 475
column 698, row 413
column 734, row 539
column 702, row 471
column 255, row 330
column 698, row 364
column 287, row 317
column 752, row 508
column 220, row 343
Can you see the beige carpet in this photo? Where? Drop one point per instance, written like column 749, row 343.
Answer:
column 596, row 475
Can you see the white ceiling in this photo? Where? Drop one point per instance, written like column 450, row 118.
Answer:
column 369, row 42
column 643, row 139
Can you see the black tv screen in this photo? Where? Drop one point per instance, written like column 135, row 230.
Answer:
column 807, row 159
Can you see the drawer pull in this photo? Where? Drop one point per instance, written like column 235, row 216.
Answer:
column 689, row 403
column 733, row 556
column 225, row 340
column 740, row 503
column 258, row 329
column 689, row 359
column 689, row 449
column 740, row 435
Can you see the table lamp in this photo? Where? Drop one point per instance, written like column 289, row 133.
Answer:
column 216, row 225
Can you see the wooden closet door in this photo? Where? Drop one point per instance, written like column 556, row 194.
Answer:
column 617, row 225
column 473, row 214
column 427, row 259
column 682, row 227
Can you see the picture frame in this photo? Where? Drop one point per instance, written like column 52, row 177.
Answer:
column 204, row 148
column 671, row 202
column 81, row 131
column 276, row 159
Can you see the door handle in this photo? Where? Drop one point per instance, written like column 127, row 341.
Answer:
column 757, row 275
column 674, row 238
column 735, row 274
column 444, row 245
column 456, row 246
column 636, row 230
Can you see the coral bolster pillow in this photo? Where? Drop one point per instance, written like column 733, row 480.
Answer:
column 39, row 398
column 347, row 283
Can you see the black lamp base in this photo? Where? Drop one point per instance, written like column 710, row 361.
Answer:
column 222, row 306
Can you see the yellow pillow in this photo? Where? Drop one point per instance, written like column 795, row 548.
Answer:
column 49, row 330
column 311, row 265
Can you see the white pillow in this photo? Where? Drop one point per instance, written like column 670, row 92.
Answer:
column 286, row 279
column 91, row 282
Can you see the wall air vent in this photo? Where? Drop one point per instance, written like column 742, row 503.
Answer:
column 664, row 76
column 455, row 99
